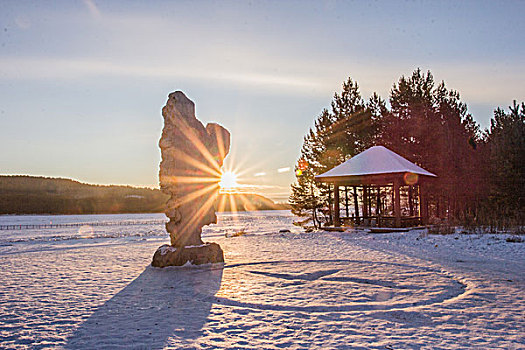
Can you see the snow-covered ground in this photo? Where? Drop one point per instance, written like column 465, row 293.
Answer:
column 276, row 290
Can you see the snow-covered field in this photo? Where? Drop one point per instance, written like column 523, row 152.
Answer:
column 276, row 290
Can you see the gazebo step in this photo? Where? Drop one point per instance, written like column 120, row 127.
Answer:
column 334, row 229
column 388, row 229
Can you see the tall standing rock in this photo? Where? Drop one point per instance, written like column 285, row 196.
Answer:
column 192, row 156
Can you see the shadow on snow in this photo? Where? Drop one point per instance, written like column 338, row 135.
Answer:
column 158, row 305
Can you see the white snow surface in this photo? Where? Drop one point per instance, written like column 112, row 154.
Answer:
column 375, row 160
column 196, row 246
column 167, row 249
column 320, row 290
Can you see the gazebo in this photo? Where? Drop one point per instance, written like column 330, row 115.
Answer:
column 378, row 173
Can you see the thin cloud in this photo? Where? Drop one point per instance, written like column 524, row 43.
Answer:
column 379, row 77
column 248, row 63
column 71, row 69
column 23, row 22
column 93, row 9
column 259, row 174
column 283, row 170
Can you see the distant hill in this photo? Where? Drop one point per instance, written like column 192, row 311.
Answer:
column 247, row 202
column 40, row 195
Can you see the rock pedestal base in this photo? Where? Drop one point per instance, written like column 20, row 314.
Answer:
column 167, row 255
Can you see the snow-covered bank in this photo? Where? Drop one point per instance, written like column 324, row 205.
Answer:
column 490, row 253
column 282, row 290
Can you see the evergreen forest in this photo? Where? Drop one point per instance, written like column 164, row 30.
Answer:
column 480, row 173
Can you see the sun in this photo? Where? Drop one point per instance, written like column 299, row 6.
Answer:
column 228, row 180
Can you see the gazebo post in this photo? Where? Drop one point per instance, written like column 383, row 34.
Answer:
column 378, row 201
column 330, row 204
column 393, row 201
column 370, row 200
column 356, row 207
column 337, row 219
column 411, row 200
column 397, row 203
column 346, row 202
column 378, row 206
column 365, row 203
column 368, row 193
column 423, row 208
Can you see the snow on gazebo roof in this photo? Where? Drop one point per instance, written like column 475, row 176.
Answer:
column 374, row 161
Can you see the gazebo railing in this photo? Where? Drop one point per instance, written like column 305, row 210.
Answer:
column 380, row 221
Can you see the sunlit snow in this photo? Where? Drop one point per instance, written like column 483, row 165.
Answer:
column 275, row 290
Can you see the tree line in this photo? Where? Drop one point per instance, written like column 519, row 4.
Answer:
column 21, row 194
column 481, row 178
column 38, row 195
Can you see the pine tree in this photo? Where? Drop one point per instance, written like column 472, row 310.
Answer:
column 506, row 144
column 306, row 197
column 430, row 126
column 379, row 113
column 350, row 120
column 337, row 135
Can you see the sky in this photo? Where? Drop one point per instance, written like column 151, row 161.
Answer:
column 82, row 83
